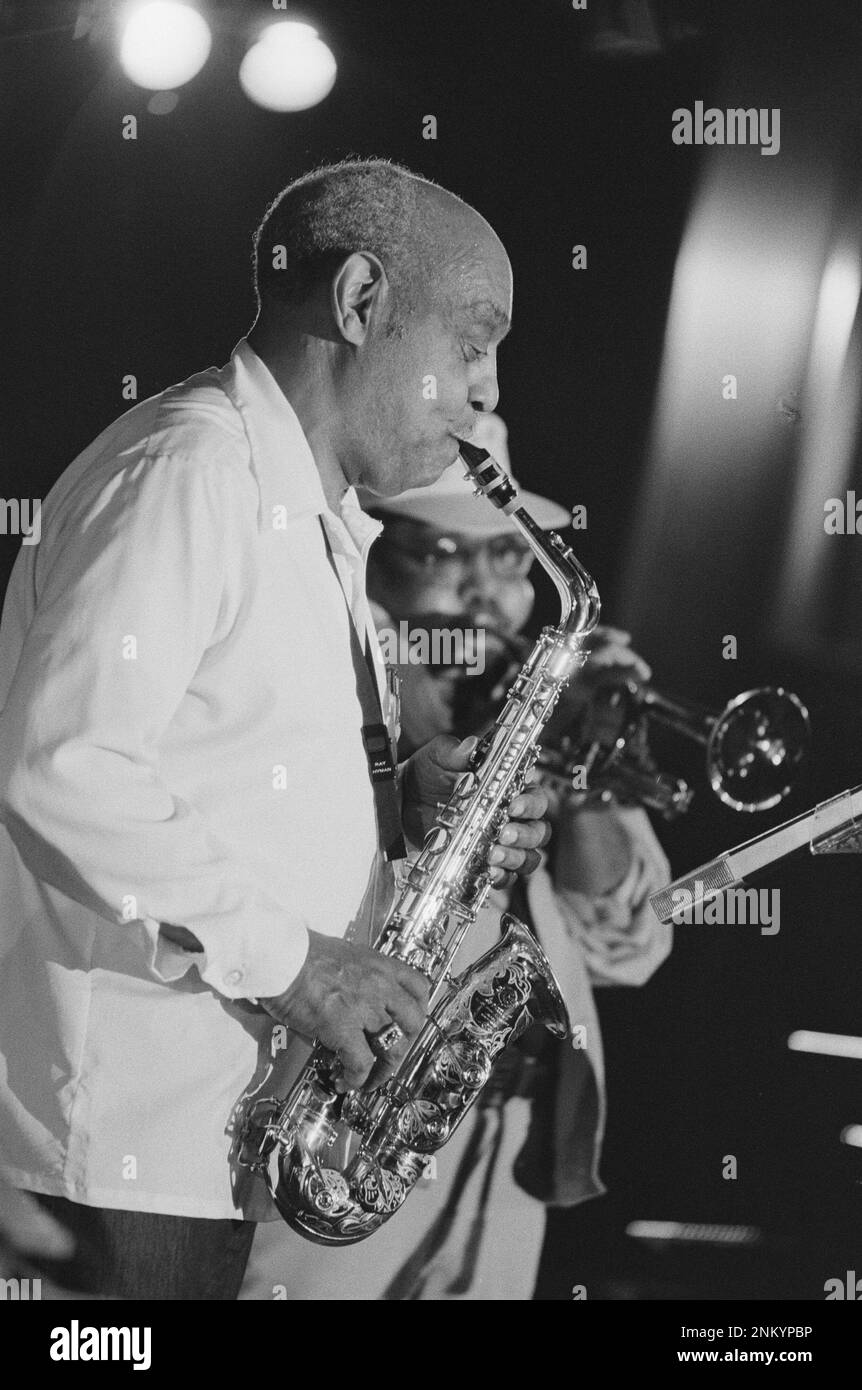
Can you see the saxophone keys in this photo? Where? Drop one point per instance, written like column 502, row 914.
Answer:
column 465, row 785
column 436, row 840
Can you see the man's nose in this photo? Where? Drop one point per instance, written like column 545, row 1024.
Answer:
column 479, row 587
column 486, row 392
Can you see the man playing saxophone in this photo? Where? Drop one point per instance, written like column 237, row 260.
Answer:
column 473, row 1229
column 196, row 839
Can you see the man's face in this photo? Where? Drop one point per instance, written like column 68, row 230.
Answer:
column 418, row 383
column 482, row 581
column 441, row 578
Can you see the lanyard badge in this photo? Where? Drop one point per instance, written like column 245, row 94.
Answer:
column 381, row 740
column 378, row 751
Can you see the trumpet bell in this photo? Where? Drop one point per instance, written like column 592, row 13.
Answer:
column 756, row 747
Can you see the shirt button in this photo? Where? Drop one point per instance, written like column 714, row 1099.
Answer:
column 234, row 977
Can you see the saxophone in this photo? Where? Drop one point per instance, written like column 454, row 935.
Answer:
column 338, row 1166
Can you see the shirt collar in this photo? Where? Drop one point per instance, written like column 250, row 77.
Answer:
column 363, row 528
column 281, row 456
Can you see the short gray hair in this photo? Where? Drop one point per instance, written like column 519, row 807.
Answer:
column 325, row 215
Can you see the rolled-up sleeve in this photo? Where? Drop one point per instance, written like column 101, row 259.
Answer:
column 140, row 581
column 622, row 940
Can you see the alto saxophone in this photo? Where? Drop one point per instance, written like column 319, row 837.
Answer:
column 338, row 1166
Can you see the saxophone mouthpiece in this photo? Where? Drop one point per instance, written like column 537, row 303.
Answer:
column 489, row 477
column 472, row 454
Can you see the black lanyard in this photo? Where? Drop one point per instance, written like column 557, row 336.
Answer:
column 375, row 735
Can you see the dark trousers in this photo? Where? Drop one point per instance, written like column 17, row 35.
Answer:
column 142, row 1254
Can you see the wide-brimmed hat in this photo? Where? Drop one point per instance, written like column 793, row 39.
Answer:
column 450, row 503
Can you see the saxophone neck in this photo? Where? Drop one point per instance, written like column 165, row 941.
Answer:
column 579, row 598
column 580, row 605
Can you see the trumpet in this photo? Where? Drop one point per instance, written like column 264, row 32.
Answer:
column 753, row 748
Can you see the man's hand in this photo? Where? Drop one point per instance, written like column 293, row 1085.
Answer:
column 609, row 651
column 343, row 995
column 429, row 776
column 610, row 659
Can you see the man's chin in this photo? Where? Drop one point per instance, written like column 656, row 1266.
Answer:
column 449, row 449
column 454, row 449
column 430, row 469
column 422, row 472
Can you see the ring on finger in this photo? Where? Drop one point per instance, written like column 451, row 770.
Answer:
column 385, row 1039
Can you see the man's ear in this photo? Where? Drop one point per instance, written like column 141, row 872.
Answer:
column 359, row 285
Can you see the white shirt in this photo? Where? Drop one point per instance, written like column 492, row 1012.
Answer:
column 179, row 742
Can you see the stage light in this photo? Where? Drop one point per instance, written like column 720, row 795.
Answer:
column 852, row 1135
column 287, row 30
column 164, row 44
column 289, row 68
column 825, row 1044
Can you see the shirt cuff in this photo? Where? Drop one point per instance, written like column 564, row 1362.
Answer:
column 256, row 961
column 165, row 960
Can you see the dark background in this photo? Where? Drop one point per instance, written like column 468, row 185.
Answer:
column 134, row 257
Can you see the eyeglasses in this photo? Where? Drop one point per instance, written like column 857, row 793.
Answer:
column 436, row 553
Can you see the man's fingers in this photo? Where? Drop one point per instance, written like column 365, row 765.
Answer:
column 529, row 805
column 532, row 860
column 372, row 1018
column 407, row 1014
column 501, row 858
column 603, row 633
column 547, row 832
column 526, row 834
column 519, row 861
column 354, row 1044
column 356, row 1059
column 525, row 831
column 449, row 754
column 345, row 995
column 611, row 658
column 415, row 983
